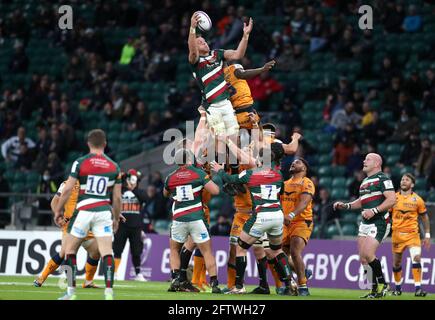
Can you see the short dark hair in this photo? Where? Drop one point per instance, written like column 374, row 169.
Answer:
column 277, row 151
column 97, row 138
column 305, row 162
column 269, row 126
column 410, row 176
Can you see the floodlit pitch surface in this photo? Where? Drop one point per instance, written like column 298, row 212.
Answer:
column 21, row 288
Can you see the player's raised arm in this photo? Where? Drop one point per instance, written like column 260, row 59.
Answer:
column 212, row 188
column 200, row 132
column 193, row 47
column 292, row 147
column 239, row 53
column 252, row 73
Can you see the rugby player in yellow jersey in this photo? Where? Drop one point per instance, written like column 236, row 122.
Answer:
column 405, row 213
column 240, row 93
column 89, row 243
column 296, row 200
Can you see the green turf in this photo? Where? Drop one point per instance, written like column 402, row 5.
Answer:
column 21, row 288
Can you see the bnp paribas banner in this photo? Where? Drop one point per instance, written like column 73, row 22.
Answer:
column 335, row 263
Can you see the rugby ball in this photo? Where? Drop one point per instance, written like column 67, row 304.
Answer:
column 204, row 22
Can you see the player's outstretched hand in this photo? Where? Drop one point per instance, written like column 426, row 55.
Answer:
column 339, row 206
column 269, row 65
column 367, row 214
column 287, row 220
column 248, row 28
column 122, row 218
column 59, row 219
column 216, row 166
column 194, row 20
column 202, row 111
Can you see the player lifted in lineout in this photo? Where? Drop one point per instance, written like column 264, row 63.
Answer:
column 207, row 67
column 405, row 213
column 89, row 243
column 376, row 198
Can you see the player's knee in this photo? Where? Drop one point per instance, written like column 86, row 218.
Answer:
column 242, row 244
column 415, row 253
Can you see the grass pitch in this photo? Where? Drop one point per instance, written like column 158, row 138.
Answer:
column 21, row 288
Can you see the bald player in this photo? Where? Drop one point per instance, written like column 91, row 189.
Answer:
column 376, row 197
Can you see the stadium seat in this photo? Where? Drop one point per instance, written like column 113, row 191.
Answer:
column 325, row 182
column 18, row 187
column 33, row 177
column 20, row 177
column 393, row 149
column 338, row 171
column 407, row 169
column 325, row 171
column 349, row 181
column 428, row 127
column 339, row 194
column 112, row 137
column 421, row 183
column 422, row 193
column 119, row 156
column 325, row 159
column 393, row 159
column 332, row 231
column 348, row 216
column 9, row 175
column 339, row 182
column 431, row 197
column 316, row 231
column 324, row 147
column 115, row 126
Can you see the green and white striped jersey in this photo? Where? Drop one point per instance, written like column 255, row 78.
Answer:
column 185, row 186
column 371, row 194
column 264, row 184
column 97, row 175
column 209, row 73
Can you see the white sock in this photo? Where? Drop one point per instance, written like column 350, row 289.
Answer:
column 71, row 291
column 108, row 291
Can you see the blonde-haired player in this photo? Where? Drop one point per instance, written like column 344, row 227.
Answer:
column 89, row 243
column 405, row 213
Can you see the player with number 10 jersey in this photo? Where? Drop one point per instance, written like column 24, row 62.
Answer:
column 97, row 175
